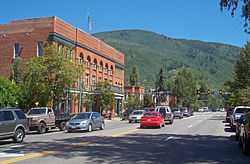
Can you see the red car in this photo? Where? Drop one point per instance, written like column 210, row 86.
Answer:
column 152, row 119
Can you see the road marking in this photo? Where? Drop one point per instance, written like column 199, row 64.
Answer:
column 171, row 138
column 7, row 155
column 189, row 117
column 16, row 146
column 190, row 126
column 27, row 156
column 123, row 133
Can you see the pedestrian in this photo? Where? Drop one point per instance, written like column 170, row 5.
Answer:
column 109, row 114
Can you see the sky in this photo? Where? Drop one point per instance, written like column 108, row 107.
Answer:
column 187, row 19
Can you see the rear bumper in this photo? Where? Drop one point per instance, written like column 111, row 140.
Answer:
column 77, row 128
column 150, row 124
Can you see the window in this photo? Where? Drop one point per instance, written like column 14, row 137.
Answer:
column 39, row 49
column 1, row 116
column 16, row 50
column 20, row 115
column 8, row 116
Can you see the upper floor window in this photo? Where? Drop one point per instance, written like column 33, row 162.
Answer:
column 39, row 49
column 16, row 50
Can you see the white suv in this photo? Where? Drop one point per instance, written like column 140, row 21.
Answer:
column 166, row 113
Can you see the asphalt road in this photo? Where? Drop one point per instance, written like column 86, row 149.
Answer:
column 202, row 138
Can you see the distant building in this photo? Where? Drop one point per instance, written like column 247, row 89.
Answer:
column 134, row 90
column 164, row 98
column 25, row 39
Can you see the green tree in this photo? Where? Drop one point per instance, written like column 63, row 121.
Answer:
column 232, row 6
column 241, row 81
column 134, row 76
column 46, row 78
column 133, row 102
column 104, row 96
column 185, row 87
column 147, row 101
column 160, row 82
column 9, row 93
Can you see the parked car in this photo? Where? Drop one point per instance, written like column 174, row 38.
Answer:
column 228, row 114
column 135, row 116
column 13, row 124
column 85, row 121
column 178, row 113
column 244, row 136
column 237, row 113
column 187, row 112
column 152, row 119
column 42, row 119
column 126, row 113
column 166, row 113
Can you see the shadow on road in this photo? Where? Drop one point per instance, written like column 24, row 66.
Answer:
column 145, row 148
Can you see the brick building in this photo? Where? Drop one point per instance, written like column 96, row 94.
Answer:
column 137, row 91
column 25, row 39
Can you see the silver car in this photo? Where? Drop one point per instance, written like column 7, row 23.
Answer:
column 135, row 116
column 13, row 124
column 178, row 113
column 85, row 121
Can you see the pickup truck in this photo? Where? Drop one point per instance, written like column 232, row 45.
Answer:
column 43, row 119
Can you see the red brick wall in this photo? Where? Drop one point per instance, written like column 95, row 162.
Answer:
column 29, row 32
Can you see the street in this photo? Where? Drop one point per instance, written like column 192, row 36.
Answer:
column 202, row 138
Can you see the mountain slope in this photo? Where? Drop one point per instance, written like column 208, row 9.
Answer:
column 150, row 51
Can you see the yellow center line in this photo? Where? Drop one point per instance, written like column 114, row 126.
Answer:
column 124, row 133
column 47, row 153
column 27, row 156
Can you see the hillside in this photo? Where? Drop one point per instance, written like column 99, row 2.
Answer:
column 150, row 51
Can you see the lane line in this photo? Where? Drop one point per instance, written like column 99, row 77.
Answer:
column 47, row 153
column 124, row 133
column 8, row 155
column 190, row 126
column 27, row 156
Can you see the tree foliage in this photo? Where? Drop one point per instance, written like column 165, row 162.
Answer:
column 9, row 93
column 160, row 81
column 244, row 5
column 185, row 87
column 104, row 96
column 134, row 76
column 241, row 83
column 44, row 79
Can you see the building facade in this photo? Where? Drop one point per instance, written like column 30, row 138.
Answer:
column 26, row 38
column 134, row 90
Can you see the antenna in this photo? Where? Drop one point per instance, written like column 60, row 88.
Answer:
column 90, row 24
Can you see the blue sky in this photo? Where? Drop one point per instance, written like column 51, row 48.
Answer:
column 189, row 19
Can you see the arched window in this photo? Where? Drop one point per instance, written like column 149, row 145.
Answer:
column 88, row 61
column 95, row 64
column 81, row 58
column 106, row 68
column 101, row 66
column 111, row 70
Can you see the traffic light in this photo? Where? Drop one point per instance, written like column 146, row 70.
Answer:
column 208, row 91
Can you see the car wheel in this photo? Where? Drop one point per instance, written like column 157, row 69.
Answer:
column 90, row 128
column 19, row 135
column 141, row 127
column 62, row 126
column 102, row 126
column 129, row 121
column 42, row 128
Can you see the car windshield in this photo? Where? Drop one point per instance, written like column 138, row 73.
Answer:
column 37, row 111
column 137, row 113
column 175, row 110
column 151, row 114
column 82, row 116
column 242, row 110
